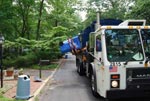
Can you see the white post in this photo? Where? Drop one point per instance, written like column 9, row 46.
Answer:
column 98, row 19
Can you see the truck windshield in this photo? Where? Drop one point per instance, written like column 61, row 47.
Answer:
column 123, row 45
column 146, row 41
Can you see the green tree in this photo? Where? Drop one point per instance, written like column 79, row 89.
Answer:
column 39, row 20
column 6, row 13
column 37, row 26
column 63, row 14
column 23, row 8
column 140, row 10
column 109, row 9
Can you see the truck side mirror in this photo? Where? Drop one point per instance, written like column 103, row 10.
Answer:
column 147, row 59
column 100, row 59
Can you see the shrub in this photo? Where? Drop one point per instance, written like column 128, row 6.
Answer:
column 30, row 58
column 21, row 61
column 8, row 62
column 27, row 60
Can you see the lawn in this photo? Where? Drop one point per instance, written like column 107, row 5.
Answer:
column 2, row 98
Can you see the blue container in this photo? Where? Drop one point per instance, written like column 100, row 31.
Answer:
column 76, row 42
column 65, row 47
column 23, row 87
column 66, row 56
column 68, row 46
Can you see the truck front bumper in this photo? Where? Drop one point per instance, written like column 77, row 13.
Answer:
column 115, row 94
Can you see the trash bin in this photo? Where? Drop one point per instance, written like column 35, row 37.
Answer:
column 66, row 46
column 23, row 87
column 66, row 56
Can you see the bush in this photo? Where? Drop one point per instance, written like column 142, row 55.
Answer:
column 47, row 54
column 27, row 60
column 44, row 55
column 30, row 58
column 8, row 62
column 21, row 61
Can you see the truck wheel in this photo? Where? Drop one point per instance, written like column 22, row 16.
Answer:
column 93, row 85
column 81, row 70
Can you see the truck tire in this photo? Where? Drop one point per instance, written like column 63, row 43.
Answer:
column 81, row 70
column 93, row 85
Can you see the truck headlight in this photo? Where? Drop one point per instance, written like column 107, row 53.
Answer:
column 114, row 84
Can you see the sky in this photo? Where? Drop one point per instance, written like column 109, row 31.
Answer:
column 83, row 13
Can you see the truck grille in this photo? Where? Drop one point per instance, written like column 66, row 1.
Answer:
column 138, row 78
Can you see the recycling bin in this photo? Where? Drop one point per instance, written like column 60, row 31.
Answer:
column 66, row 56
column 23, row 87
column 67, row 46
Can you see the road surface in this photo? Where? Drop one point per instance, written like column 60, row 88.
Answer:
column 67, row 85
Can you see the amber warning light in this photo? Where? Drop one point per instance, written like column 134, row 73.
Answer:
column 115, row 76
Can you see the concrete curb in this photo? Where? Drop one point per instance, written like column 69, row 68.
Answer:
column 45, row 82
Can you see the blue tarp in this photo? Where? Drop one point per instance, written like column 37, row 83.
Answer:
column 85, row 33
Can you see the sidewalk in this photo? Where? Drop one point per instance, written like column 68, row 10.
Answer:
column 10, row 85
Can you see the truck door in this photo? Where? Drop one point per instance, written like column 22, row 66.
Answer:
column 98, row 61
column 145, row 33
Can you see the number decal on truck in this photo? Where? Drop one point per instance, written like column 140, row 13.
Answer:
column 115, row 64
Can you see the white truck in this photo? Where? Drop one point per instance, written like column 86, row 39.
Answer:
column 117, row 60
column 115, row 57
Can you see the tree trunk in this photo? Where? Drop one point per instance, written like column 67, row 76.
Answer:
column 39, row 20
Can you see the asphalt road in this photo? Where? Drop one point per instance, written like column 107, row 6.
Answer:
column 67, row 85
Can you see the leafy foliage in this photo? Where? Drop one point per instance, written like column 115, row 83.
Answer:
column 19, row 21
column 140, row 10
column 109, row 9
column 58, row 21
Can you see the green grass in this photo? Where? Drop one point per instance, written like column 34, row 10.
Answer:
column 46, row 67
column 2, row 98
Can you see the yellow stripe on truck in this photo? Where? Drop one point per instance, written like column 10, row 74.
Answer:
column 130, row 27
column 108, row 27
column 145, row 27
column 138, row 27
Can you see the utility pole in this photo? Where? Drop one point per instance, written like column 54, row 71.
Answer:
column 1, row 57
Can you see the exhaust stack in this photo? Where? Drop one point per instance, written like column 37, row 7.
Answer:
column 98, row 20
